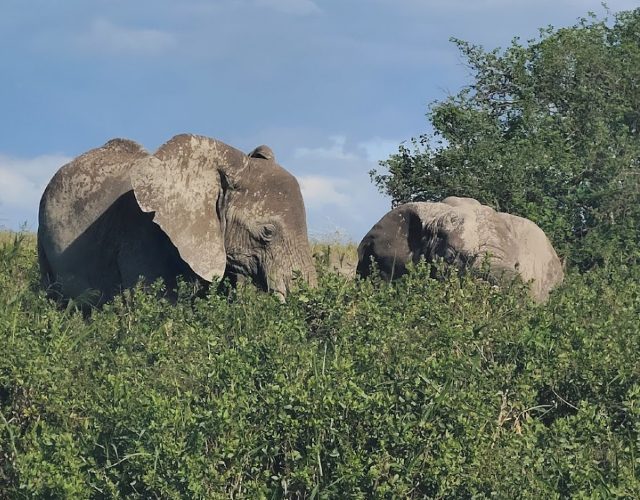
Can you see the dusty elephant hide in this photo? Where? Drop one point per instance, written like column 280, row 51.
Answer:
column 196, row 208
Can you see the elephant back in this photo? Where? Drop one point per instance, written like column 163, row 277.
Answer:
column 83, row 190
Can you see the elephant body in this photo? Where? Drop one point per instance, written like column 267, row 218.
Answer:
column 195, row 208
column 464, row 233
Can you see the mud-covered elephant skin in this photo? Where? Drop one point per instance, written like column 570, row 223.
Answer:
column 464, row 233
column 196, row 208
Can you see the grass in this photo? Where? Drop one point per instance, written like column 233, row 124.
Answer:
column 9, row 236
column 328, row 252
column 336, row 256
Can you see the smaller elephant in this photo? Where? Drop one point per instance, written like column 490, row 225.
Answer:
column 464, row 233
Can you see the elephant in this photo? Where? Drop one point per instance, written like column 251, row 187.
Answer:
column 464, row 233
column 196, row 208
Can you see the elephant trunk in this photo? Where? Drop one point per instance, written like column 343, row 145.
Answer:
column 296, row 259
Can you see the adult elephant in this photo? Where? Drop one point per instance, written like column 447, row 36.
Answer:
column 196, row 208
column 464, row 233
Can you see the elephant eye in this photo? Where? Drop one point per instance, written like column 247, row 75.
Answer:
column 267, row 232
column 450, row 255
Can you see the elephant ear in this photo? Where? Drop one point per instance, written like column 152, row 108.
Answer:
column 263, row 152
column 181, row 184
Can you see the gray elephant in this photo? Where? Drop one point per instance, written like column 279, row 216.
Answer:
column 464, row 233
column 196, row 208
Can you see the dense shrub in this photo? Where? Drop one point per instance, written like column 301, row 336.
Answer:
column 357, row 389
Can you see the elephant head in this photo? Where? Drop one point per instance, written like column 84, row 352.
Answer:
column 196, row 207
column 464, row 233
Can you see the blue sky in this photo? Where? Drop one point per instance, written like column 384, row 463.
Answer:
column 332, row 86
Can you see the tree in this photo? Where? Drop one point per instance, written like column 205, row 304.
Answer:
column 550, row 131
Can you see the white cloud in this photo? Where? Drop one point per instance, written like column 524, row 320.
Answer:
column 340, row 209
column 319, row 191
column 341, row 201
column 22, row 182
column 295, row 7
column 106, row 38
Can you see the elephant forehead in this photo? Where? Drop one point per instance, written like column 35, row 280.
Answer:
column 470, row 227
column 270, row 190
column 481, row 229
column 443, row 218
column 275, row 207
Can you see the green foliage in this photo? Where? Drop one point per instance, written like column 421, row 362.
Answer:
column 550, row 131
column 354, row 390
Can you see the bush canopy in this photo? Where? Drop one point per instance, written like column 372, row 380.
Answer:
column 357, row 389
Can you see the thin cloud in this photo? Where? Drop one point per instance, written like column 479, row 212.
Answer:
column 335, row 152
column 106, row 38
column 294, row 7
column 378, row 149
column 474, row 5
column 378, row 53
column 342, row 200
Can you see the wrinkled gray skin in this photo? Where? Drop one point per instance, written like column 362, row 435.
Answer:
column 463, row 233
column 196, row 208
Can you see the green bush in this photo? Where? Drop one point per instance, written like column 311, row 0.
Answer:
column 353, row 390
